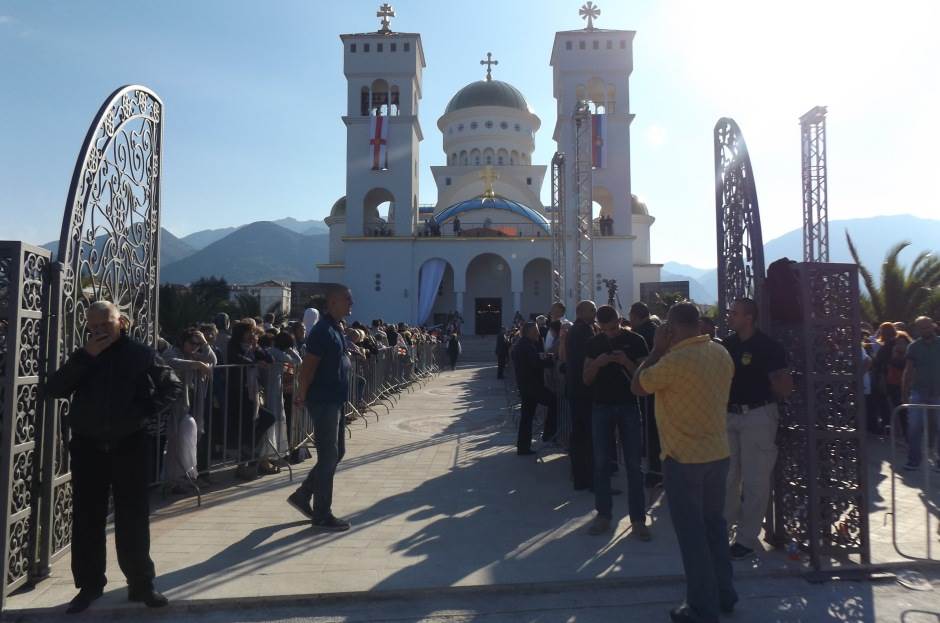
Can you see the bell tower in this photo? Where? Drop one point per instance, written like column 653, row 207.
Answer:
column 383, row 73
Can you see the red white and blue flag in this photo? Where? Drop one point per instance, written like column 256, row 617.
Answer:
column 378, row 142
column 598, row 141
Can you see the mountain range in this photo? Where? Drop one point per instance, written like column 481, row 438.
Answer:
column 872, row 237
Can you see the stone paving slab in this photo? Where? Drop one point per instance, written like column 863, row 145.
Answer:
column 437, row 498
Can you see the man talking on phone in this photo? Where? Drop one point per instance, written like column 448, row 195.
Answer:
column 117, row 385
column 612, row 358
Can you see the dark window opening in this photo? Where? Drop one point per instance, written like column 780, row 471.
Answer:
column 406, row 46
column 581, row 45
column 567, row 45
column 352, row 48
column 393, row 47
column 365, row 47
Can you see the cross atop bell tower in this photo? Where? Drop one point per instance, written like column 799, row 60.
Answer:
column 385, row 12
column 489, row 62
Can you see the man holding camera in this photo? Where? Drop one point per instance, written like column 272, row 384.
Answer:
column 117, row 385
column 612, row 358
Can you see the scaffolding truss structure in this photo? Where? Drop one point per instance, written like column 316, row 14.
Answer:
column 584, row 198
column 559, row 257
column 815, row 188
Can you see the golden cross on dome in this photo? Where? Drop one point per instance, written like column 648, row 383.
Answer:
column 590, row 12
column 489, row 62
column 489, row 176
column 385, row 12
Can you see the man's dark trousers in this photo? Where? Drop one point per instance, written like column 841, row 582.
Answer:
column 500, row 366
column 696, row 496
column 532, row 398
column 653, row 447
column 606, row 420
column 329, row 439
column 122, row 468
column 582, row 452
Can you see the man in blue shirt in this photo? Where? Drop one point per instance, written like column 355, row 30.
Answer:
column 324, row 388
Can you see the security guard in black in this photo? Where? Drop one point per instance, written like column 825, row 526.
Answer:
column 755, row 359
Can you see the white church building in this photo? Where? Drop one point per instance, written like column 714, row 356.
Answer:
column 485, row 249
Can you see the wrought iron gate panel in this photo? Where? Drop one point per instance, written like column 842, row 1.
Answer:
column 108, row 250
column 740, row 243
column 821, row 496
column 24, row 287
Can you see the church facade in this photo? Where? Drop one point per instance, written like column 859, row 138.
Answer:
column 485, row 248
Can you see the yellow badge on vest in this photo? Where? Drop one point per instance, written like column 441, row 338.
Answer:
column 745, row 359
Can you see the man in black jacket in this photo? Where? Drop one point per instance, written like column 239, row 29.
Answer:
column 502, row 352
column 117, row 385
column 530, row 364
column 579, row 395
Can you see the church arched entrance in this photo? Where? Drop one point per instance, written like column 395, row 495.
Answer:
column 437, row 305
column 489, row 294
column 536, row 287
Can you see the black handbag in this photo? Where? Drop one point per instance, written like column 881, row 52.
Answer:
column 266, row 420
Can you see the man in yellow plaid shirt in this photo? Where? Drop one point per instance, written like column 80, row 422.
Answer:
column 691, row 378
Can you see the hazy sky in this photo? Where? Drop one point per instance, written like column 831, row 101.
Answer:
column 254, row 92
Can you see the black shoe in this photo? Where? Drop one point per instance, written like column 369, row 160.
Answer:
column 740, row 552
column 148, row 596
column 301, row 502
column 525, row 452
column 331, row 523
column 83, row 600
column 683, row 614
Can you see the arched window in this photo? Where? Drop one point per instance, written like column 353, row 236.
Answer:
column 380, row 98
column 453, row 158
column 463, row 158
column 514, row 157
column 488, row 155
column 502, row 157
column 475, row 157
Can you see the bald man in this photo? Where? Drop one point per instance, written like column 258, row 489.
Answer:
column 920, row 385
column 117, row 385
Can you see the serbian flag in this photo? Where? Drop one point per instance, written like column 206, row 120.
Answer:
column 598, row 141
column 378, row 142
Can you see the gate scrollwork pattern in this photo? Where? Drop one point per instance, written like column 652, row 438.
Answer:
column 740, row 242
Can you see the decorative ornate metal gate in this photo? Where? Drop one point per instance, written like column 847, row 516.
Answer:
column 108, row 250
column 740, row 243
column 821, row 490
column 24, row 285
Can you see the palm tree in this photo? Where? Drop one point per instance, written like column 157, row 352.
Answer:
column 900, row 296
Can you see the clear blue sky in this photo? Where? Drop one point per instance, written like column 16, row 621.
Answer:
column 254, row 92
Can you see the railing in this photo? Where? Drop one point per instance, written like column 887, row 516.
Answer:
column 484, row 229
column 930, row 492
column 231, row 404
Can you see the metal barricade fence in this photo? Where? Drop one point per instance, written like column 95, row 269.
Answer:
column 930, row 493
column 229, row 406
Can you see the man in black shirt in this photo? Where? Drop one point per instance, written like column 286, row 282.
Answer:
column 643, row 324
column 579, row 395
column 530, row 364
column 761, row 378
column 612, row 357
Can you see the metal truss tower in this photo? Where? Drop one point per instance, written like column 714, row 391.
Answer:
column 815, row 187
column 584, row 194
column 559, row 257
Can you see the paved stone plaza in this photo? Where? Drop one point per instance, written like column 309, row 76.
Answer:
column 438, row 498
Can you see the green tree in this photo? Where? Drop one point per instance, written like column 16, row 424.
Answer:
column 243, row 306
column 900, row 295
column 665, row 300
column 211, row 291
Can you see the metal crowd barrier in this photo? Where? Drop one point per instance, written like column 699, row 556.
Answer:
column 930, row 492
column 227, row 402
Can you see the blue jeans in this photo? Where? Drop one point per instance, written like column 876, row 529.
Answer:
column 917, row 421
column 329, row 439
column 696, row 494
column 622, row 419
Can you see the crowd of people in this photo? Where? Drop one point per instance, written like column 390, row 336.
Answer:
column 691, row 413
column 218, row 386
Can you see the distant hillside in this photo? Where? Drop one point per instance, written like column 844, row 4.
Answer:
column 202, row 239
column 254, row 253
column 872, row 236
column 172, row 249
